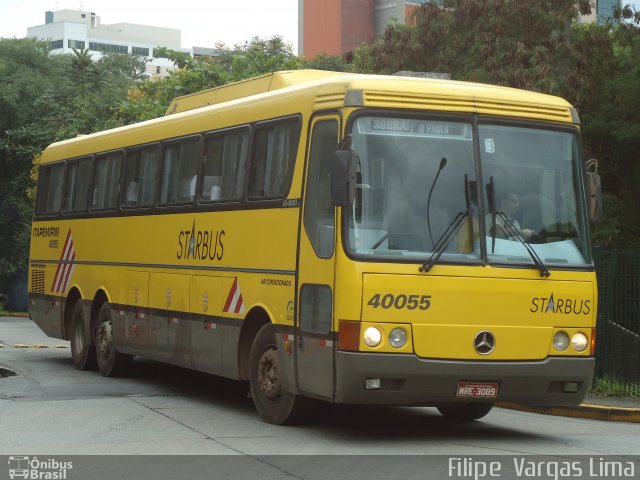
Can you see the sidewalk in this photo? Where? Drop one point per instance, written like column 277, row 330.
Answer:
column 595, row 407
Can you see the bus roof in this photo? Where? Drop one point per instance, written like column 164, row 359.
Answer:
column 324, row 90
column 245, row 88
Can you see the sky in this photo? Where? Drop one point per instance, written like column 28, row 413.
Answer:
column 203, row 23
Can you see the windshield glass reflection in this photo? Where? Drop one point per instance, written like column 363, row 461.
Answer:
column 411, row 187
column 415, row 177
column 536, row 195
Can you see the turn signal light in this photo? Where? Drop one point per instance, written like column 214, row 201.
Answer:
column 349, row 335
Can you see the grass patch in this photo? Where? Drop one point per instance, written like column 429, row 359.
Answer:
column 610, row 387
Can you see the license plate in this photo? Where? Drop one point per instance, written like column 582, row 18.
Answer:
column 477, row 390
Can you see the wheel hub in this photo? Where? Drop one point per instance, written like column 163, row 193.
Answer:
column 268, row 375
column 103, row 339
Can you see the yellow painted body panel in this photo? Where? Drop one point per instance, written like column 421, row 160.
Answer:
column 119, row 254
column 519, row 312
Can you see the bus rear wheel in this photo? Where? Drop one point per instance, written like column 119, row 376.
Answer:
column 82, row 352
column 465, row 412
column 111, row 363
column 274, row 404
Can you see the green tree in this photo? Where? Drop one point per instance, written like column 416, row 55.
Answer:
column 151, row 98
column 43, row 99
column 519, row 43
column 25, row 72
column 612, row 134
column 333, row 63
column 83, row 71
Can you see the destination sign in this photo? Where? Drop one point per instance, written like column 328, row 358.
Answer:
column 407, row 126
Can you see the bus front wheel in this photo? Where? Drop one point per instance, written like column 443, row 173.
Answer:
column 82, row 352
column 274, row 404
column 465, row 412
column 111, row 363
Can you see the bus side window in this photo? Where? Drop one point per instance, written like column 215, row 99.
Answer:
column 106, row 181
column 140, row 177
column 181, row 164
column 76, row 195
column 225, row 155
column 49, row 194
column 274, row 154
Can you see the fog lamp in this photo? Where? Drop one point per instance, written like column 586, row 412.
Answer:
column 561, row 341
column 398, row 337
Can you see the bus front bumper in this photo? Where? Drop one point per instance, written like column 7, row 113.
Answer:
column 410, row 380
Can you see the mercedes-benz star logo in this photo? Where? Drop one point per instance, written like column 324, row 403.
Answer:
column 484, row 343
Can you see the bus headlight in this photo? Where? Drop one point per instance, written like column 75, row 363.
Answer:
column 579, row 342
column 372, row 337
column 561, row 341
column 398, row 337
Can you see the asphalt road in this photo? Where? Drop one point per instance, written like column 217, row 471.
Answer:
column 52, row 410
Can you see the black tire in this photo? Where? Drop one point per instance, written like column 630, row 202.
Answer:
column 111, row 363
column 82, row 352
column 274, row 404
column 465, row 412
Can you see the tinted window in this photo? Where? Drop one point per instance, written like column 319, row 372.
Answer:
column 274, row 156
column 106, row 181
column 50, row 189
column 181, row 162
column 77, row 185
column 140, row 177
column 225, row 156
column 315, row 308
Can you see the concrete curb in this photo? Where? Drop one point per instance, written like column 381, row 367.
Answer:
column 585, row 410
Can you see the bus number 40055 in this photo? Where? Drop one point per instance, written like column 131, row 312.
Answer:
column 410, row 302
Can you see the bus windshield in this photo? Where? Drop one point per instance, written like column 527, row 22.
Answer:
column 417, row 178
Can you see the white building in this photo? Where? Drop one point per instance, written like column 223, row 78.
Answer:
column 69, row 29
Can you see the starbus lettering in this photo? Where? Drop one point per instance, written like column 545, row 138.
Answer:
column 198, row 244
column 564, row 306
column 46, row 232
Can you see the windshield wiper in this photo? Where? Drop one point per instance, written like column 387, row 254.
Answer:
column 515, row 233
column 443, row 241
column 451, row 230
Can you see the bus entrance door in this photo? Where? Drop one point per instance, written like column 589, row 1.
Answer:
column 316, row 258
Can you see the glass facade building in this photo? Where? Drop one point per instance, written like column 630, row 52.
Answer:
column 604, row 9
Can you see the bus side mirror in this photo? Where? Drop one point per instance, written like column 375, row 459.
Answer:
column 594, row 197
column 594, row 191
column 343, row 178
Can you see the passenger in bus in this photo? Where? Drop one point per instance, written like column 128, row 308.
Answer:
column 508, row 205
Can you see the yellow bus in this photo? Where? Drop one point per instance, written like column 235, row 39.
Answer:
column 351, row 238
